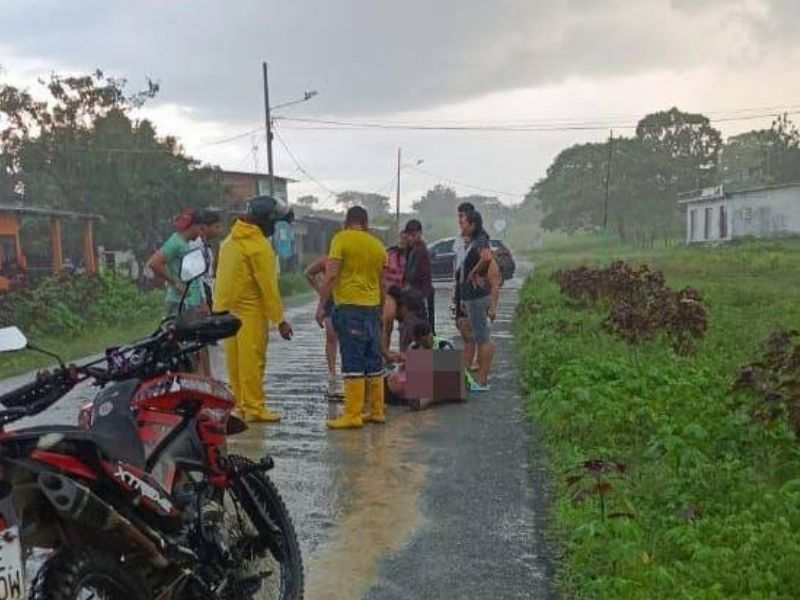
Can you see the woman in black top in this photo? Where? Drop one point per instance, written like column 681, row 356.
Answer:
column 475, row 292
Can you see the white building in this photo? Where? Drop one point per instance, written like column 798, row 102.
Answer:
column 714, row 215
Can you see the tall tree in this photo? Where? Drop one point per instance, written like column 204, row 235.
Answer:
column 439, row 201
column 689, row 147
column 762, row 157
column 81, row 150
column 377, row 205
column 308, row 201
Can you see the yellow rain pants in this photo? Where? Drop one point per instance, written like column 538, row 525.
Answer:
column 247, row 286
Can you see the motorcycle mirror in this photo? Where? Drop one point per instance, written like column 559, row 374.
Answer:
column 11, row 339
column 193, row 265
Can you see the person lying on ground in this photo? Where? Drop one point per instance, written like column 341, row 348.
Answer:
column 422, row 339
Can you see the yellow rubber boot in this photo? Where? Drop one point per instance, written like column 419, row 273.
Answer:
column 376, row 392
column 262, row 416
column 354, row 392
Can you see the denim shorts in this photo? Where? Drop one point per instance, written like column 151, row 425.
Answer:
column 359, row 332
column 330, row 308
column 478, row 319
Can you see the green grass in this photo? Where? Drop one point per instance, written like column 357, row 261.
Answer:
column 130, row 326
column 689, row 445
column 75, row 348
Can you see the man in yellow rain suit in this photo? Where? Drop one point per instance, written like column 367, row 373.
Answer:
column 247, row 286
column 353, row 275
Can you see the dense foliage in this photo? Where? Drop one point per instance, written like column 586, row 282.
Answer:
column 640, row 303
column 68, row 306
column 81, row 149
column 672, row 152
column 670, row 482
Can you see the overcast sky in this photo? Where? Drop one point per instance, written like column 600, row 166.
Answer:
column 540, row 62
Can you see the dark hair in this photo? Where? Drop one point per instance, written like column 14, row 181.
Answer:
column 356, row 215
column 421, row 330
column 475, row 218
column 466, row 207
column 414, row 301
column 413, row 226
column 395, row 292
column 206, row 216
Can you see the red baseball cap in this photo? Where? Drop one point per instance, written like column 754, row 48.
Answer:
column 185, row 219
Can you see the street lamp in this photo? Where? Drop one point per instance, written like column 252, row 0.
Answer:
column 400, row 167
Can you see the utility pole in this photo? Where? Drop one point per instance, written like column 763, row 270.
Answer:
column 397, row 205
column 269, row 131
column 608, row 179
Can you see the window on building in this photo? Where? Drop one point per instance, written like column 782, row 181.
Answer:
column 8, row 250
column 723, row 223
column 707, row 225
column 693, row 224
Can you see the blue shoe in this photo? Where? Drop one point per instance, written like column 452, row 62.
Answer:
column 478, row 388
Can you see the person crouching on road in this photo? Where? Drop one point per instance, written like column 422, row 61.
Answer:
column 393, row 276
column 247, row 286
column 353, row 275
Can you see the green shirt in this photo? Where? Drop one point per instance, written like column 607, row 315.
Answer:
column 174, row 249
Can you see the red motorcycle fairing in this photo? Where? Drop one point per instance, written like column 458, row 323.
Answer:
column 65, row 462
column 159, row 401
column 141, row 484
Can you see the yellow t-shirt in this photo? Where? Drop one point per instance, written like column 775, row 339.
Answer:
column 363, row 258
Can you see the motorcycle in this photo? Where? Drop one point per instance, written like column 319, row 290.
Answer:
column 140, row 500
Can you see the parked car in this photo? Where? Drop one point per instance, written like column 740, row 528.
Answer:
column 443, row 258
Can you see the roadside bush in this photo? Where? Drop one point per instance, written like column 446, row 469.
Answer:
column 639, row 302
column 291, row 284
column 67, row 305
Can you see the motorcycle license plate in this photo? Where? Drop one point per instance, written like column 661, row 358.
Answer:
column 12, row 580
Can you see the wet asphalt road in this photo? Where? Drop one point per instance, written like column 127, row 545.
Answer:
column 442, row 503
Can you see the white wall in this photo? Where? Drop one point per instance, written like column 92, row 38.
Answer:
column 699, row 232
column 766, row 213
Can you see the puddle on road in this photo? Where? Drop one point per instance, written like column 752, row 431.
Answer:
column 353, row 495
column 382, row 482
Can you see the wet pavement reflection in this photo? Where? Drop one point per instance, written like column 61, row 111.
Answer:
column 354, row 495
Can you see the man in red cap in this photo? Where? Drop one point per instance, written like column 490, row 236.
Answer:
column 166, row 266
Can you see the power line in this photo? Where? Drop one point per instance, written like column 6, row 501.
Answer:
column 478, row 188
column 300, row 167
column 232, row 138
column 305, row 123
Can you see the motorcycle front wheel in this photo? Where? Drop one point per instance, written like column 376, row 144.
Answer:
column 82, row 575
column 247, row 532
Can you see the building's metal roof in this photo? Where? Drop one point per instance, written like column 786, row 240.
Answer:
column 48, row 212
column 719, row 193
column 254, row 174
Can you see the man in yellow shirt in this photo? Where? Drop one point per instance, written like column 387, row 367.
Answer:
column 247, row 286
column 353, row 276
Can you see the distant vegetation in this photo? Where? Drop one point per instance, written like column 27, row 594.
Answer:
column 671, row 152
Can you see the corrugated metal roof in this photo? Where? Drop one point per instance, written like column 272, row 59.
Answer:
column 48, row 212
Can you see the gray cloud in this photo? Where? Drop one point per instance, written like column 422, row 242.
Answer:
column 366, row 56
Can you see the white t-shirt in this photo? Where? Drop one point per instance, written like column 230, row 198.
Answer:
column 460, row 246
column 208, row 278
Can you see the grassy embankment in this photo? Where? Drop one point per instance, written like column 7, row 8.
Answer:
column 75, row 318
column 705, row 502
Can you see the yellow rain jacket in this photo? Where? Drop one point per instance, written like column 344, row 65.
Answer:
column 247, row 286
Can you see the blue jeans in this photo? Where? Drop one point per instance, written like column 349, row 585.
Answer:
column 359, row 332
